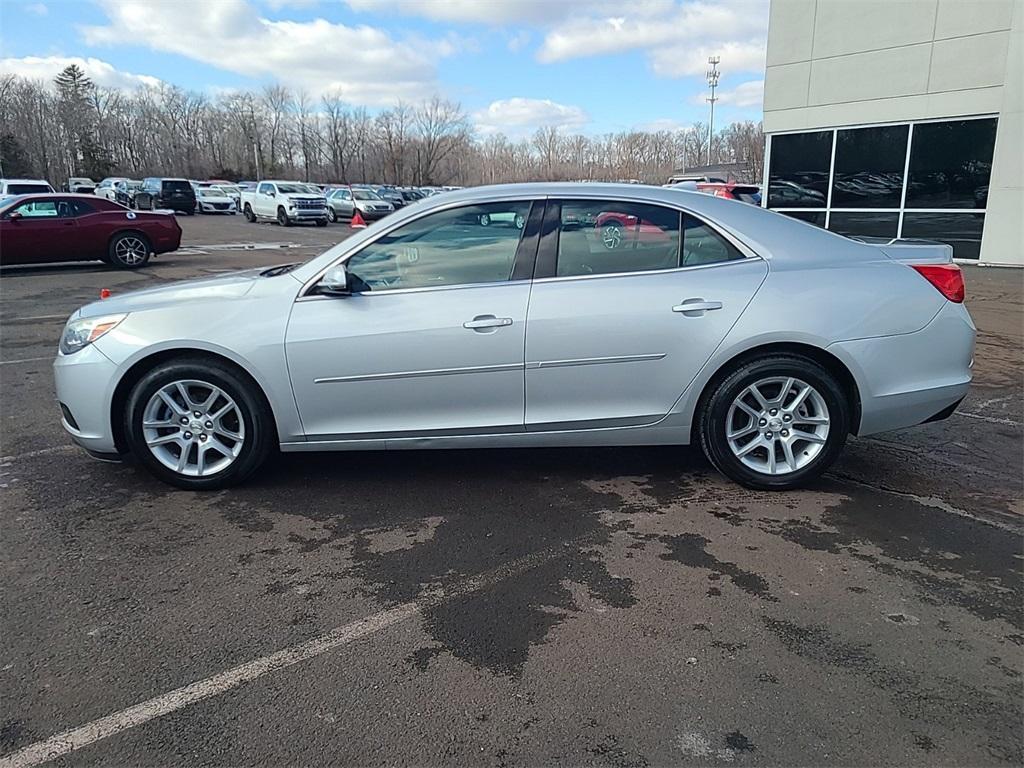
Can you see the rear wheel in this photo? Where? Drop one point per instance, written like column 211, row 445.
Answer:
column 774, row 423
column 485, row 219
column 198, row 424
column 611, row 235
column 128, row 250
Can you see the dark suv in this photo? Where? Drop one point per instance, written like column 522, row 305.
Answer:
column 175, row 194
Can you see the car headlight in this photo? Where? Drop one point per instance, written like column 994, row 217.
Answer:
column 79, row 334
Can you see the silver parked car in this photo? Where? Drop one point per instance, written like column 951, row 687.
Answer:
column 763, row 338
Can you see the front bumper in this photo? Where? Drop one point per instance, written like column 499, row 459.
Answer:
column 84, row 383
column 307, row 214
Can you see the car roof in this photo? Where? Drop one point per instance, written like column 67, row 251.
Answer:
column 24, row 181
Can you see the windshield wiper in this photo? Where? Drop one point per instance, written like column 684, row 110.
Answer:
column 280, row 269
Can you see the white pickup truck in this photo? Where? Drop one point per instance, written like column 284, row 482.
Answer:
column 285, row 202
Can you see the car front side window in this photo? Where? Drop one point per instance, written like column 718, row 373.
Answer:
column 460, row 246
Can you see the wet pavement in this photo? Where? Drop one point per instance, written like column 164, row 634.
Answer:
column 621, row 607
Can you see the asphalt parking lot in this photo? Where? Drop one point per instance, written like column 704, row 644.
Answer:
column 621, row 607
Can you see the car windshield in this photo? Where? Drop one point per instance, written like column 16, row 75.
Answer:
column 229, row 188
column 27, row 189
column 364, row 194
column 209, row 192
column 292, row 189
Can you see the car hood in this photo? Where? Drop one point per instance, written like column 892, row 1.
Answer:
column 234, row 285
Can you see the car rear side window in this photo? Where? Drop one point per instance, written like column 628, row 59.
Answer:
column 609, row 236
column 703, row 245
column 461, row 246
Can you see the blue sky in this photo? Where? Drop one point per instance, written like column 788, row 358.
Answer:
column 589, row 66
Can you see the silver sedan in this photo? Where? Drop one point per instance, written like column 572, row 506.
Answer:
column 616, row 315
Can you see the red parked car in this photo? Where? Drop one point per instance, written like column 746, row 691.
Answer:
column 41, row 228
column 747, row 193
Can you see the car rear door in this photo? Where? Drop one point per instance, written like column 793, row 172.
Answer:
column 430, row 342
column 620, row 325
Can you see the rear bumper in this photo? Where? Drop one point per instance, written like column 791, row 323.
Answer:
column 912, row 378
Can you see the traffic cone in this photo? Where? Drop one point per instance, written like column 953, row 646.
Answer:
column 357, row 220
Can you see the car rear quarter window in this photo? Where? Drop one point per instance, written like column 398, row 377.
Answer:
column 702, row 244
column 460, row 246
column 610, row 236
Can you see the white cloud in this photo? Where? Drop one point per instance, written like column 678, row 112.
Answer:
column 664, row 124
column 518, row 117
column 518, row 41
column 678, row 40
column 749, row 94
column 503, row 12
column 99, row 71
column 37, row 9
column 363, row 64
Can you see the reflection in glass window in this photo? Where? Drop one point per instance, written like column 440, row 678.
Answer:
column 961, row 230
column 37, row 209
column 869, row 167
column 703, row 245
column 605, row 236
column 817, row 218
column 950, row 164
column 865, row 224
column 474, row 244
column 798, row 177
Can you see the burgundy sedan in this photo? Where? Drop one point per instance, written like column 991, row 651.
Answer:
column 35, row 229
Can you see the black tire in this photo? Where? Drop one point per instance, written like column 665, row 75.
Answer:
column 124, row 250
column 321, row 222
column 282, row 218
column 713, row 414
column 249, row 215
column 259, row 423
column 332, row 215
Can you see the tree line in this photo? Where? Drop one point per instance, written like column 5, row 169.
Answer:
column 71, row 127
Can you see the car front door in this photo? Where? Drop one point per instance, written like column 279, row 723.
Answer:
column 629, row 302
column 36, row 231
column 429, row 341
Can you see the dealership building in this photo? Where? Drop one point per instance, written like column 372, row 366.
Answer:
column 900, row 118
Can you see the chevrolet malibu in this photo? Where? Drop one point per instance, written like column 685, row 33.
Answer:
column 764, row 339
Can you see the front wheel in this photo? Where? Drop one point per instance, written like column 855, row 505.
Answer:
column 774, row 423
column 332, row 215
column 128, row 250
column 197, row 424
column 282, row 218
column 249, row 215
column 321, row 222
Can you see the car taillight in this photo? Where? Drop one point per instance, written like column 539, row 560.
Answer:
column 947, row 278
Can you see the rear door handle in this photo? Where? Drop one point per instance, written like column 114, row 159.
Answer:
column 696, row 307
column 483, row 322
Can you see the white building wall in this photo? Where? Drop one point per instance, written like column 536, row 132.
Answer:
column 834, row 63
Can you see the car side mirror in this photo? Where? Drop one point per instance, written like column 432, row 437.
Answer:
column 335, row 281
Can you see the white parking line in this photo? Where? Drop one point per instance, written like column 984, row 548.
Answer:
column 66, row 742
column 26, row 360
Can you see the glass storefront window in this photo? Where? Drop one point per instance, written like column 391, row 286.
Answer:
column 799, row 170
column 869, row 167
column 940, row 186
column 865, row 223
column 961, row 230
column 950, row 164
column 817, row 218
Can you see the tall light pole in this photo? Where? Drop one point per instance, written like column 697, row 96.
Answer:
column 712, row 77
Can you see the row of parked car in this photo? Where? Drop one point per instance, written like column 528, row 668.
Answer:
column 286, row 202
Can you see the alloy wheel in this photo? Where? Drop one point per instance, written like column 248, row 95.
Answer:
column 777, row 425
column 611, row 236
column 130, row 250
column 193, row 428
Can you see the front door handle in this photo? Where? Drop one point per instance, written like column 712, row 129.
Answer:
column 696, row 307
column 483, row 322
